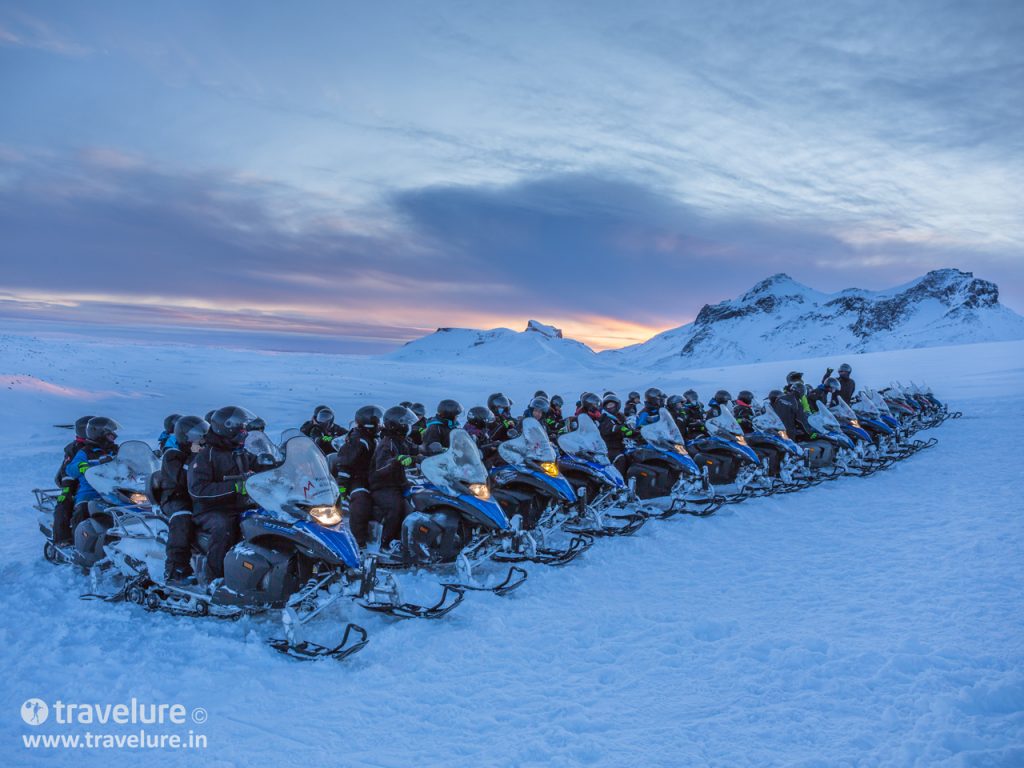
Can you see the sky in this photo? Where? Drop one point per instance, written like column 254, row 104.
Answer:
column 349, row 176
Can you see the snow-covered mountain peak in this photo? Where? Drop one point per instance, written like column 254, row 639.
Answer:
column 545, row 330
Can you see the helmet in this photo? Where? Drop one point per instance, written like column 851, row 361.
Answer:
column 399, row 418
column 722, row 397
column 256, row 425
column 673, row 402
column 498, row 403
column 170, row 421
column 419, row 409
column 798, row 388
column 691, row 396
column 745, row 396
column 369, row 416
column 80, row 425
column 324, row 416
column 449, row 409
column 100, row 429
column 541, row 393
column 832, row 385
column 479, row 416
column 539, row 404
column 190, row 429
column 794, row 376
column 654, row 397
column 209, row 415
column 230, row 422
column 407, row 404
column 634, row 397
column 557, row 401
column 774, row 395
column 845, row 368
column 612, row 403
column 590, row 401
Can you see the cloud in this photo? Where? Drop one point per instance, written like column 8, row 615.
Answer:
column 19, row 30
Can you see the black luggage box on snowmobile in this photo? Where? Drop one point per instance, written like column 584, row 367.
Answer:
column 651, row 481
column 820, row 453
column 722, row 469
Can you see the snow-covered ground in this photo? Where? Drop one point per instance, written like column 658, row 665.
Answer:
column 872, row 621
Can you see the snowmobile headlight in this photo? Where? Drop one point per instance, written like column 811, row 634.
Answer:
column 138, row 498
column 740, row 439
column 855, row 423
column 480, row 490
column 326, row 515
column 550, row 468
column 783, row 434
column 679, row 448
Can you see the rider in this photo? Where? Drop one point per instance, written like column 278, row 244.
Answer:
column 693, row 416
column 66, row 499
column 721, row 400
column 504, row 425
column 847, row 386
column 351, row 468
column 556, row 417
column 654, row 400
column 632, row 404
column 322, row 429
column 166, row 439
column 100, row 447
column 824, row 394
column 171, row 485
column 614, row 430
column 744, row 410
column 388, row 482
column 479, row 424
column 790, row 408
column 416, row 433
column 216, row 483
column 437, row 435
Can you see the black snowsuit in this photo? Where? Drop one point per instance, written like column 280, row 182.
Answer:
column 215, row 477
column 323, row 436
column 614, row 430
column 417, row 430
column 847, row 386
column 744, row 414
column 351, row 468
column 389, row 484
column 487, row 445
column 176, row 505
column 438, row 430
column 66, row 500
column 791, row 412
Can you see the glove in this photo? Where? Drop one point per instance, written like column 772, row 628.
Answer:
column 626, row 431
column 326, row 438
column 342, row 490
column 815, row 435
column 240, row 488
column 828, row 372
column 405, row 461
column 82, row 466
column 63, row 495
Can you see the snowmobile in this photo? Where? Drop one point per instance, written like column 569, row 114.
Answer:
column 121, row 485
column 598, row 484
column 535, row 497
column 831, row 453
column 663, row 474
column 874, row 415
column 784, row 459
column 733, row 467
column 455, row 519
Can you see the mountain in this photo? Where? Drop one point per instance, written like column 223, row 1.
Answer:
column 780, row 319
column 538, row 345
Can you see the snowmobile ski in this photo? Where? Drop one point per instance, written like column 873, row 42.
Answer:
column 310, row 651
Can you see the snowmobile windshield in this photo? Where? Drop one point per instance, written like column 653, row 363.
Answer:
column 866, row 407
column 301, row 483
column 585, row 440
column 663, row 433
column 260, row 446
column 532, row 444
column 460, row 464
column 130, row 469
column 843, row 410
column 724, row 423
column 769, row 421
column 879, row 401
column 824, row 421
column 288, row 434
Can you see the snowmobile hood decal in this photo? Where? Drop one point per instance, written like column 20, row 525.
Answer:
column 337, row 540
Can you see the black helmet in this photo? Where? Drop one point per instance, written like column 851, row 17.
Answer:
column 170, row 421
column 612, row 403
column 398, row 418
column 100, row 430
column 557, row 402
column 590, row 401
column 745, row 396
column 257, row 425
column 722, row 397
column 449, row 409
column 209, row 415
column 419, row 409
column 673, row 402
column 634, row 397
column 189, row 430
column 798, row 388
column 498, row 403
column 654, row 397
column 691, row 396
column 845, row 368
column 369, row 416
column 832, row 385
column 407, row 404
column 774, row 395
column 230, row 422
column 541, row 393
column 80, row 425
column 479, row 416
column 323, row 416
column 539, row 404
column 794, row 376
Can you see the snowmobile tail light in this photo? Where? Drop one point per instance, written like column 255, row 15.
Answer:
column 325, row 515
column 138, row 498
column 481, row 491
column 550, row 468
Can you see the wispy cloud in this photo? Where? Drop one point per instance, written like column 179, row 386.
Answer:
column 21, row 30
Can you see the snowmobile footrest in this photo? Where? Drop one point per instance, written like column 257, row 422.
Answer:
column 307, row 651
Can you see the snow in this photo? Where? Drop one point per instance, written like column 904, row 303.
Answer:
column 872, row 621
column 538, row 344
